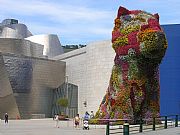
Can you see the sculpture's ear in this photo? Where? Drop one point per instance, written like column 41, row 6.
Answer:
column 156, row 16
column 122, row 11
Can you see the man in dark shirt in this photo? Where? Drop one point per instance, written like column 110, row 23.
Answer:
column 6, row 118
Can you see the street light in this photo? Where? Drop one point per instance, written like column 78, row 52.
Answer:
column 66, row 82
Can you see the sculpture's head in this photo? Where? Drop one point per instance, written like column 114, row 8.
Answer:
column 138, row 32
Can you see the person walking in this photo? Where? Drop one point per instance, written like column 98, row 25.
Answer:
column 86, row 116
column 76, row 121
column 57, row 120
column 91, row 115
column 6, row 118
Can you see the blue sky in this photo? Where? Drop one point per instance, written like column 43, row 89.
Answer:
column 81, row 21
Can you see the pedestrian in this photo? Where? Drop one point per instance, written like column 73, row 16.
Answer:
column 86, row 116
column 76, row 121
column 57, row 120
column 91, row 115
column 6, row 118
column 54, row 116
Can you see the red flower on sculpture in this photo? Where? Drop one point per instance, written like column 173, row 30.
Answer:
column 143, row 27
column 123, row 11
column 115, row 35
column 132, row 38
column 154, row 23
column 113, row 102
column 124, row 49
column 135, row 12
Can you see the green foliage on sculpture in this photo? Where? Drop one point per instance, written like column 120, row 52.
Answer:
column 140, row 44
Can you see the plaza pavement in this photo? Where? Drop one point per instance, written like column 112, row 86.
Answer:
column 47, row 127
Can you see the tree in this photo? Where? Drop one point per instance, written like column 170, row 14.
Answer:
column 63, row 102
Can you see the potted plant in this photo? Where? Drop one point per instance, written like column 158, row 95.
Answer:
column 63, row 102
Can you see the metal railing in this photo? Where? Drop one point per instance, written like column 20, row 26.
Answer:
column 122, row 126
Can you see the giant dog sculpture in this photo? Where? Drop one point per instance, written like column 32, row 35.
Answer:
column 140, row 44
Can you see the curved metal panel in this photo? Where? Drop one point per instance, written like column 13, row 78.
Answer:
column 20, row 73
column 32, row 81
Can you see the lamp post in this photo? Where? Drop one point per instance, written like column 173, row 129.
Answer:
column 66, row 80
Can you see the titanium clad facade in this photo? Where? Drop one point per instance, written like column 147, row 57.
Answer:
column 51, row 43
column 21, row 47
column 10, row 28
column 7, row 100
column 32, row 81
column 27, row 76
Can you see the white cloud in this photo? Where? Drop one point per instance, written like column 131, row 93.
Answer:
column 79, row 19
column 58, row 12
column 83, row 34
column 59, row 18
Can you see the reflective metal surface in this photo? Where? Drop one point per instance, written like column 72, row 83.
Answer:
column 51, row 43
column 21, row 47
column 7, row 100
column 32, row 81
column 27, row 77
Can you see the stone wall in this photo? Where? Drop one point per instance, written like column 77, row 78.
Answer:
column 89, row 68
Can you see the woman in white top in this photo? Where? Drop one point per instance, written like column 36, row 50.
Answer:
column 57, row 120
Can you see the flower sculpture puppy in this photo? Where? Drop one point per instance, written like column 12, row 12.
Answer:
column 140, row 44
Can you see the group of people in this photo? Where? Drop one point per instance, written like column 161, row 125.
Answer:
column 77, row 119
column 86, row 117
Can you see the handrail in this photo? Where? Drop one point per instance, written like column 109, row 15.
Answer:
column 161, row 120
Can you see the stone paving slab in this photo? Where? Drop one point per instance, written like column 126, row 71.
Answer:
column 169, row 131
column 47, row 127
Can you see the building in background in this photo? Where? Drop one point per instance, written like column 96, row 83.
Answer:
column 68, row 48
column 89, row 68
column 28, row 76
column 170, row 72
